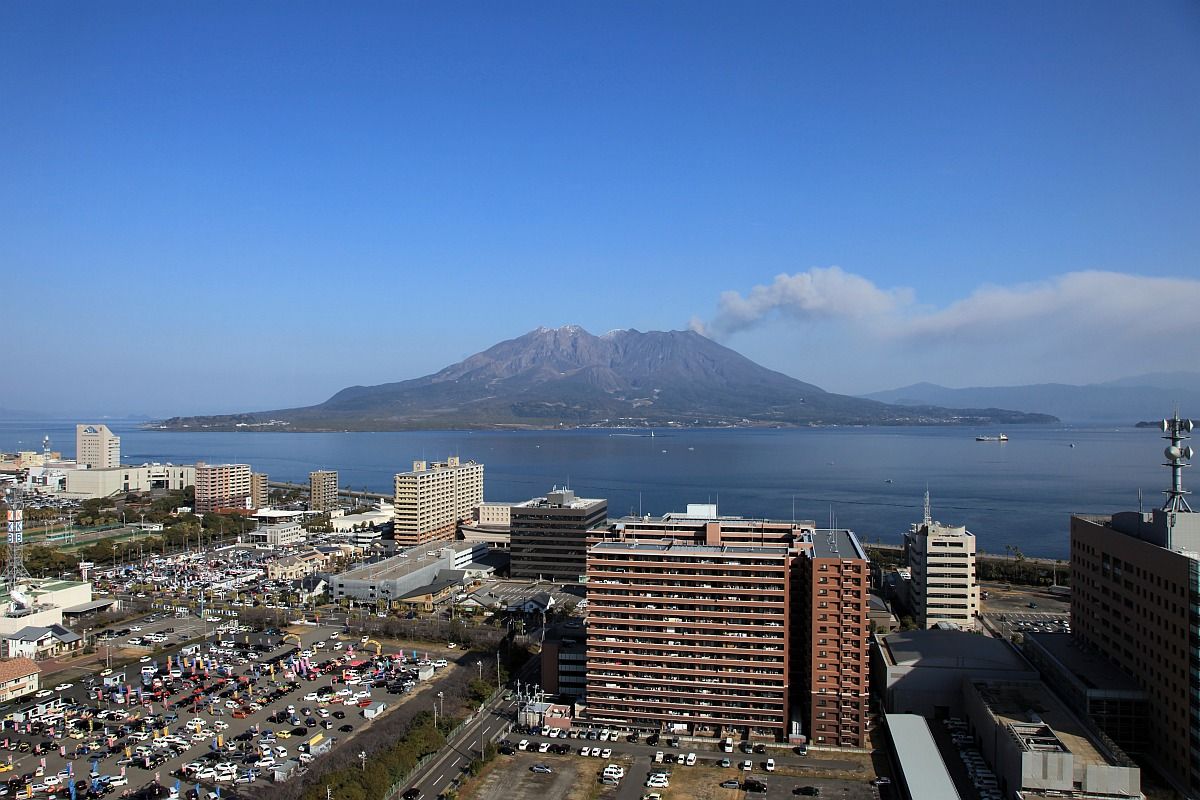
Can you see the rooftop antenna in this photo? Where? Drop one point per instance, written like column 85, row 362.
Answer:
column 793, row 509
column 639, row 504
column 1178, row 454
column 1141, row 508
column 928, row 513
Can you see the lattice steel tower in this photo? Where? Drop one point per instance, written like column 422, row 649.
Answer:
column 15, row 571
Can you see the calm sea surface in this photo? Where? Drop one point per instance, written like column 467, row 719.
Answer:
column 870, row 480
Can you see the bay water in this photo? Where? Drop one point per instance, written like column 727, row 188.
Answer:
column 872, row 480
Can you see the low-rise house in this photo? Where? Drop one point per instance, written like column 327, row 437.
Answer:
column 18, row 677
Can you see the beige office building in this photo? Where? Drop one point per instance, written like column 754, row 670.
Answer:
column 432, row 499
column 944, row 586
column 85, row 483
column 96, row 447
column 221, row 486
column 259, row 490
column 322, row 490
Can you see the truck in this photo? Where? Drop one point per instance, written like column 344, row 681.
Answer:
column 727, row 745
column 658, row 757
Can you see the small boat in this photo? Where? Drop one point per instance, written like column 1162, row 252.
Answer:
column 1001, row 438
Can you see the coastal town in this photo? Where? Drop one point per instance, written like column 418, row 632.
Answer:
column 201, row 631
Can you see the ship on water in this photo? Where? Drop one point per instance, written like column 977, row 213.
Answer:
column 1001, row 438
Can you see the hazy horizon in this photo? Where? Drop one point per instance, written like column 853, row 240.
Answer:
column 211, row 208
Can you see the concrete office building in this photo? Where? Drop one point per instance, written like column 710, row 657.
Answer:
column 323, row 490
column 768, row 617
column 282, row 534
column 85, row 483
column 432, row 499
column 494, row 515
column 564, row 667
column 259, row 490
column 1135, row 597
column 922, row 672
column 393, row 578
column 941, row 562
column 549, row 535
column 96, row 447
column 1037, row 748
column 1093, row 688
column 221, row 486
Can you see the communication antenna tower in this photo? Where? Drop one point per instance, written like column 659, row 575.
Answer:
column 928, row 510
column 15, row 518
column 1176, row 432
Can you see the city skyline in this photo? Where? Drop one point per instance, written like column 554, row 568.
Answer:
column 269, row 204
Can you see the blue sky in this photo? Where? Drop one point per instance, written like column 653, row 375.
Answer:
column 211, row 207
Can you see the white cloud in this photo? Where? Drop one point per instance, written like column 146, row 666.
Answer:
column 1110, row 304
column 1077, row 326
column 819, row 293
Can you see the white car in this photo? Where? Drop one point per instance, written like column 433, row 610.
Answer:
column 770, row 765
column 62, row 687
column 690, row 760
column 311, row 697
column 43, row 693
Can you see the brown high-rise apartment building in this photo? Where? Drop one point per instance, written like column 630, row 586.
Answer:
column 832, row 584
column 221, row 486
column 549, row 535
column 433, row 498
column 1135, row 599
column 322, row 490
column 715, row 626
column 259, row 490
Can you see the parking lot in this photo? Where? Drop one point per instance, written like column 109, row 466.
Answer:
column 573, row 775
column 228, row 712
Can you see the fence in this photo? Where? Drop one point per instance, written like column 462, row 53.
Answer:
column 396, row 787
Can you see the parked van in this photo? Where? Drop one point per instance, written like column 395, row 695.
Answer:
column 727, row 745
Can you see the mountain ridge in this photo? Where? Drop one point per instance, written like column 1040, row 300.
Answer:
column 567, row 377
column 1124, row 400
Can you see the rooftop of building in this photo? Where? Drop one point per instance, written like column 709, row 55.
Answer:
column 1038, row 720
column 937, row 648
column 425, row 467
column 1091, row 669
column 14, row 668
column 836, row 543
column 935, row 528
column 920, row 760
column 405, row 563
column 688, row 548
column 560, row 498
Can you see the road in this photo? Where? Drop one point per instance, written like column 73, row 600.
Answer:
column 486, row 726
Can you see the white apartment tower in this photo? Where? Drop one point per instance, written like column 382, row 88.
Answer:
column 944, row 585
column 433, row 498
column 96, row 447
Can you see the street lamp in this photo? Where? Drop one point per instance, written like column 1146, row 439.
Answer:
column 442, row 702
column 362, row 757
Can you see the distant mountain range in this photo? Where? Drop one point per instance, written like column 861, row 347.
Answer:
column 566, row 377
column 1124, row 401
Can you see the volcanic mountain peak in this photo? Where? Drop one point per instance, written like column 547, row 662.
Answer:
column 554, row 377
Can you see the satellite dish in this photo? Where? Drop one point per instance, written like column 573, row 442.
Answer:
column 1165, row 426
column 1190, row 425
column 1187, row 453
column 1173, row 453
